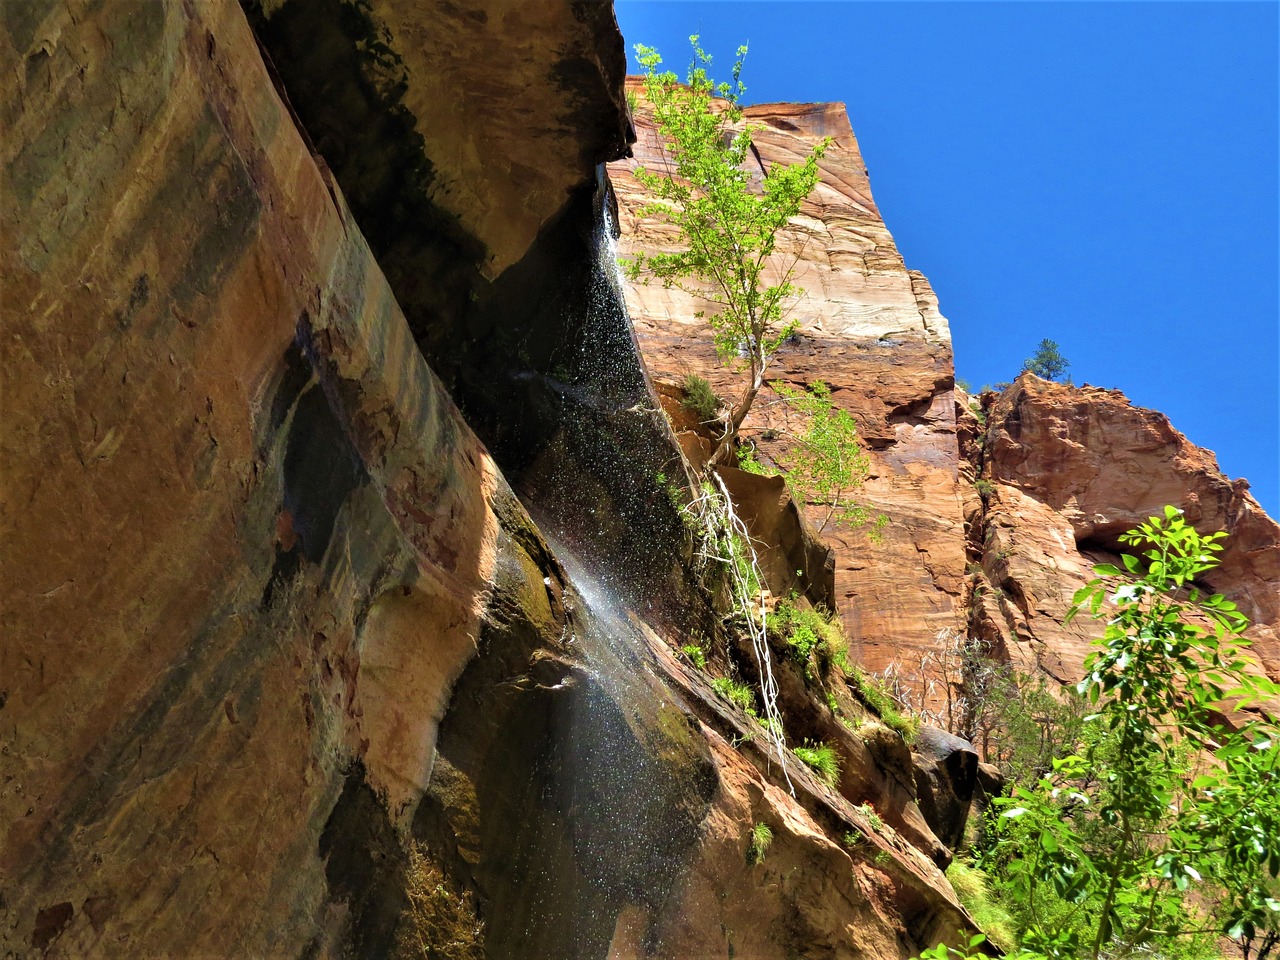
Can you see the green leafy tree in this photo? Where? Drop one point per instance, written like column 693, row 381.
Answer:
column 1165, row 824
column 827, row 463
column 1162, row 830
column 1048, row 363
column 728, row 220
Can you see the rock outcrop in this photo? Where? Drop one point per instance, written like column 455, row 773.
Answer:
column 1065, row 471
column 273, row 615
column 871, row 329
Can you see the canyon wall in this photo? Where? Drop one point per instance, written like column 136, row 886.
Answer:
column 250, row 544
column 1065, row 470
column 275, row 624
column 1061, row 471
column 868, row 327
column 333, row 533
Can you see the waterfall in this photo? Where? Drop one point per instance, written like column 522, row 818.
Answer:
column 715, row 512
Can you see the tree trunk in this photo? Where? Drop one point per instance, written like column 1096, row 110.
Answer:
column 723, row 455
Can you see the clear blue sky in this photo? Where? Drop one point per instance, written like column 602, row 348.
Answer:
column 1101, row 174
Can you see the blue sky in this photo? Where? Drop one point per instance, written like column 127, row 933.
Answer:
column 1101, row 174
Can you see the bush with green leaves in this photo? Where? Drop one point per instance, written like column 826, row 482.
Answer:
column 877, row 697
column 810, row 635
column 827, row 462
column 972, row 888
column 695, row 655
column 874, row 819
column 735, row 692
column 1162, row 829
column 728, row 220
column 761, row 838
column 823, row 760
column 699, row 399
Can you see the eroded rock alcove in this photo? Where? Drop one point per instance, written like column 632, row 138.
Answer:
column 331, row 531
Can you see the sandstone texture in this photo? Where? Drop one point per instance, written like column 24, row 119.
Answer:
column 341, row 524
column 271, row 613
column 1067, row 470
column 250, row 544
column 496, row 149
column 871, row 329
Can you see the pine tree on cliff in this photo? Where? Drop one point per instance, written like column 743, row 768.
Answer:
column 728, row 222
column 1048, row 363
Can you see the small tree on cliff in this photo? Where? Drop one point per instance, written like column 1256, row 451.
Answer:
column 1048, row 363
column 727, row 221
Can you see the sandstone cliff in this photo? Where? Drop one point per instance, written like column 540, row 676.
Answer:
column 1064, row 471
column 273, row 616
column 871, row 329
column 332, row 533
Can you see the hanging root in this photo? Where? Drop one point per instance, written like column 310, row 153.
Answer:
column 725, row 541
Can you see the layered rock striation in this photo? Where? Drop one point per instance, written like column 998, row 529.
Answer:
column 868, row 327
column 1065, row 470
column 250, row 543
column 273, row 615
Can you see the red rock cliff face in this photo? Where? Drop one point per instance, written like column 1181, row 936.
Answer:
column 249, row 542
column 271, row 612
column 1069, row 470
column 871, row 329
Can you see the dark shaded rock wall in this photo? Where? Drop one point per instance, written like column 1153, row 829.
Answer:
column 249, row 542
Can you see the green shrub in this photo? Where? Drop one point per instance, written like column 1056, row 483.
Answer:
column 699, row 399
column 761, row 837
column 873, row 818
column 748, row 463
column 993, row 919
column 736, row 693
column 695, row 654
column 823, row 760
column 827, row 463
column 1160, row 827
column 876, row 697
column 772, row 725
column 808, row 634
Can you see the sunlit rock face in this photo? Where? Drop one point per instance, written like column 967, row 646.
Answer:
column 871, row 329
column 1071, row 468
column 251, row 545
column 272, row 613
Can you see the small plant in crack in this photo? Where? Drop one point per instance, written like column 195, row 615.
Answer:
column 822, row 759
column 736, row 693
column 761, row 838
column 874, row 819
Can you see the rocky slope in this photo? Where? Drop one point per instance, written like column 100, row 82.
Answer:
column 871, row 329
